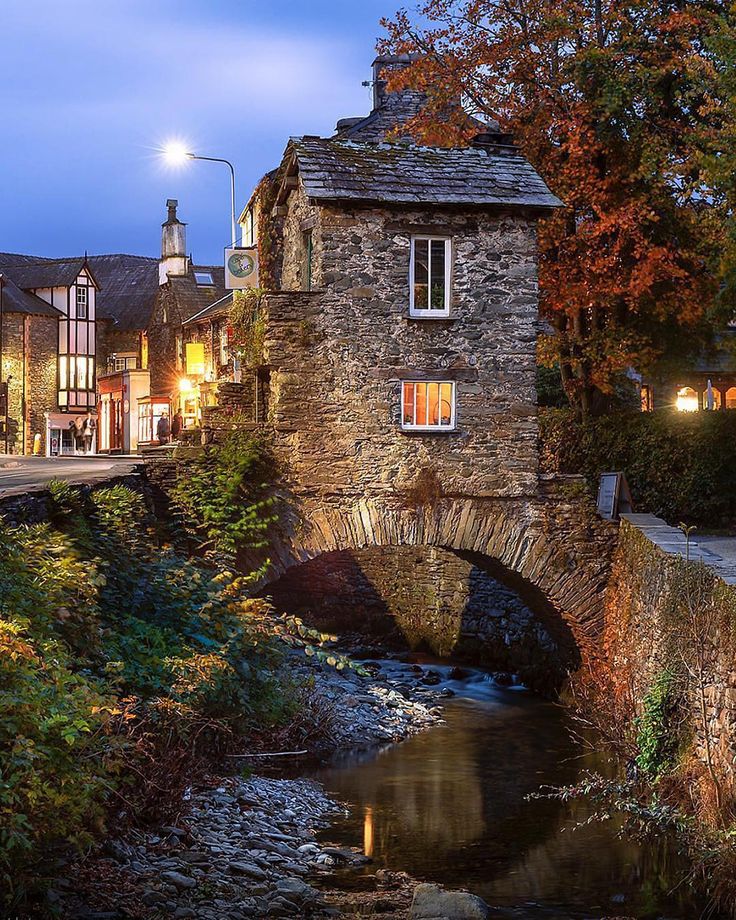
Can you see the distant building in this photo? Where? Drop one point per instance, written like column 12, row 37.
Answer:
column 95, row 343
column 706, row 382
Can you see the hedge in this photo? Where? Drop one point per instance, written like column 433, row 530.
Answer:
column 679, row 466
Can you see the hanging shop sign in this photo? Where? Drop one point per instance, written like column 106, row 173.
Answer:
column 241, row 268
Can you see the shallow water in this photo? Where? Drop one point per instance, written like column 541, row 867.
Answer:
column 451, row 806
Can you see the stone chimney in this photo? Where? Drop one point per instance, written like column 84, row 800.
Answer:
column 173, row 245
column 382, row 67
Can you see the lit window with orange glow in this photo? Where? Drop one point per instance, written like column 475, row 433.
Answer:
column 687, row 400
column 427, row 405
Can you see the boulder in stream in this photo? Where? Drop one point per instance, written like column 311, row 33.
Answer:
column 431, row 902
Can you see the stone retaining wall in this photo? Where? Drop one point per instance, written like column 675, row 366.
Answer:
column 649, row 631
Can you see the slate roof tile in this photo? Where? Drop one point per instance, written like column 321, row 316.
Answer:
column 397, row 173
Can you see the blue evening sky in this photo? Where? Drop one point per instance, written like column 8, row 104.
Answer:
column 89, row 88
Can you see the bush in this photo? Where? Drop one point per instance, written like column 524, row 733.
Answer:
column 658, row 728
column 123, row 664
column 679, row 466
column 224, row 494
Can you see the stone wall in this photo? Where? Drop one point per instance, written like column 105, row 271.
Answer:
column 648, row 632
column 452, row 604
column 30, row 367
column 337, row 356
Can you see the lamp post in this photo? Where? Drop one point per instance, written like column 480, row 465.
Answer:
column 3, row 386
column 177, row 154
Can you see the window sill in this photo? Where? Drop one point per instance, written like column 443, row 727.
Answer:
column 430, row 432
column 413, row 318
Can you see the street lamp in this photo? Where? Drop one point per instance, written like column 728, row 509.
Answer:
column 176, row 154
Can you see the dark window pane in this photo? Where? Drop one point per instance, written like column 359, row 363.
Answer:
column 438, row 275
column 421, row 274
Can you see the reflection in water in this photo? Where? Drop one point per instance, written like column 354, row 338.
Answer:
column 368, row 831
column 450, row 805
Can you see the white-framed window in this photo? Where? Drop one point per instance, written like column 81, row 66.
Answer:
column 81, row 302
column 204, row 279
column 430, row 264
column 224, row 346
column 427, row 405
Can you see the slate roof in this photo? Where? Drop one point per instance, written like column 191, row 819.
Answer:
column 191, row 297
column 219, row 308
column 128, row 288
column 16, row 300
column 38, row 272
column 407, row 174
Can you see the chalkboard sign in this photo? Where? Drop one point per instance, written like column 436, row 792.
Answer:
column 613, row 496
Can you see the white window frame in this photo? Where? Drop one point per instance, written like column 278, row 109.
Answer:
column 429, row 312
column 424, row 426
column 82, row 300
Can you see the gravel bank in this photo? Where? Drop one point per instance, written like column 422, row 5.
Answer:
column 247, row 847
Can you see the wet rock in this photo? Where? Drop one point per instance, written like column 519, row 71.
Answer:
column 430, row 902
column 238, row 867
column 178, row 880
column 431, row 678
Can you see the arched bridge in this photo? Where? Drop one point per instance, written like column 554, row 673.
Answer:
column 555, row 543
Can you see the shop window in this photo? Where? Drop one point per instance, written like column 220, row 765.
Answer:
column 731, row 398
column 429, row 276
column 646, row 398
column 224, row 346
column 426, row 406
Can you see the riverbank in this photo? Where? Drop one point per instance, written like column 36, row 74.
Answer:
column 245, row 846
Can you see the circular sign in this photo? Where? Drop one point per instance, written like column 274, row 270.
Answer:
column 241, row 264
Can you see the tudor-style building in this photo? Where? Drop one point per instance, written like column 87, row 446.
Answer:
column 50, row 361
column 401, row 308
column 84, row 337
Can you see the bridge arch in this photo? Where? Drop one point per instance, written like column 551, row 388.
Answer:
column 552, row 546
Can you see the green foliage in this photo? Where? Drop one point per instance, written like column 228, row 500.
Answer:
column 658, row 731
column 119, row 658
column 680, row 466
column 249, row 326
column 224, row 493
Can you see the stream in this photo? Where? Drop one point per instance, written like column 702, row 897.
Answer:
column 450, row 805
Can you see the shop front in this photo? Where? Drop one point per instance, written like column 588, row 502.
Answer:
column 118, row 400
column 151, row 409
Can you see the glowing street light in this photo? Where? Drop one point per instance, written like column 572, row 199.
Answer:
column 176, row 154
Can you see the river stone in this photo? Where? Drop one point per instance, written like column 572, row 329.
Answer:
column 238, row 867
column 178, row 880
column 431, row 902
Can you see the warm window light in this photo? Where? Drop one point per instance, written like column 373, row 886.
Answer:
column 687, row 400
column 185, row 385
column 175, row 153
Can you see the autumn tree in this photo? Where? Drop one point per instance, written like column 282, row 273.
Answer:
column 625, row 107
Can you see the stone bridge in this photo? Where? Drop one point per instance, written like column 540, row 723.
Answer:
column 427, row 566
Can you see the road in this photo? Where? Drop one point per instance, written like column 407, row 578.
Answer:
column 29, row 474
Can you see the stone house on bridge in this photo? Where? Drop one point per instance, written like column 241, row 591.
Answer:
column 402, row 306
column 395, row 375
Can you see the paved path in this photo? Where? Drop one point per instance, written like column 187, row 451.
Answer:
column 717, row 552
column 29, row 474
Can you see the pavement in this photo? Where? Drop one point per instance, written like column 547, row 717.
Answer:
column 715, row 551
column 31, row 474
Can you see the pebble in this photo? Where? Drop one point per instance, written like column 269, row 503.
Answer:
column 250, row 840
